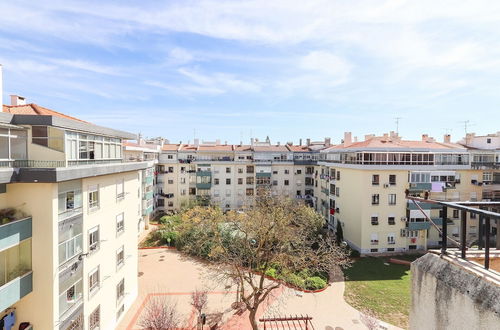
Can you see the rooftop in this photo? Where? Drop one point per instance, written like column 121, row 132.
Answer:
column 35, row 109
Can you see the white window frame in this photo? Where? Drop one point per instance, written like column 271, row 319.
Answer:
column 93, row 204
column 120, row 262
column 120, row 291
column 96, row 317
column 94, row 246
column 120, row 224
column 120, row 190
column 94, row 275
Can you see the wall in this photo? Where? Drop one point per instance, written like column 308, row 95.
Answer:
column 110, row 242
column 40, row 201
column 446, row 295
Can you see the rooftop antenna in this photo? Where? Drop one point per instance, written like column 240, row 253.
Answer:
column 447, row 130
column 466, row 124
column 194, row 133
column 397, row 119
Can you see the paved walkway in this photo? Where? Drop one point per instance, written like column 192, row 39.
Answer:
column 169, row 273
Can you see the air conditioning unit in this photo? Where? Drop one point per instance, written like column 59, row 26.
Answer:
column 404, row 219
column 412, row 185
column 386, row 185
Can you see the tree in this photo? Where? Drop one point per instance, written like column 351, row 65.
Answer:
column 274, row 233
column 160, row 314
column 199, row 300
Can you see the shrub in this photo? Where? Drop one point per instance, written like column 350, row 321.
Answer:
column 304, row 273
column 272, row 272
column 172, row 235
column 314, row 283
column 293, row 279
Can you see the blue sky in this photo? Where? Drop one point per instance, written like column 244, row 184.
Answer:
column 235, row 69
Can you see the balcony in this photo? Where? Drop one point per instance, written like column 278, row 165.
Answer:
column 147, row 195
column 33, row 163
column 419, row 225
column 14, row 232
column 148, row 180
column 205, row 185
column 16, row 289
column 203, row 173
column 419, row 187
column 424, row 206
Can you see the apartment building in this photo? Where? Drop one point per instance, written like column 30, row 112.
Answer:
column 70, row 212
column 230, row 175
column 362, row 187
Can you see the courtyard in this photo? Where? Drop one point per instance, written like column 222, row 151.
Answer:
column 166, row 272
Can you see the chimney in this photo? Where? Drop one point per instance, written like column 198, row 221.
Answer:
column 251, row 141
column 447, row 138
column 347, row 138
column 139, row 138
column 355, row 139
column 17, row 100
column 308, row 142
column 328, row 142
column 1, row 89
column 278, row 142
column 369, row 136
column 196, row 142
column 386, row 136
column 300, row 142
column 425, row 137
column 225, row 143
column 217, row 142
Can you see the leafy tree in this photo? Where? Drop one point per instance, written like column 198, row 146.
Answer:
column 274, row 231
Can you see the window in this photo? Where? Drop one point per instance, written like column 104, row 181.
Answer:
column 120, row 190
column 170, row 181
column 228, row 181
column 250, row 180
column 240, row 180
column 275, row 182
column 250, row 169
column 488, row 140
column 93, row 197
column 287, row 171
column 338, row 175
column 392, row 199
column 287, row 182
column 374, row 220
column 249, row 192
column 95, row 318
column 94, row 280
column 170, row 156
column 120, row 311
column 392, row 179
column 275, row 172
column 455, row 214
column 375, row 199
column 375, row 179
column 299, row 171
column 337, row 191
column 120, row 258
column 390, row 239
column 120, row 224
column 170, row 169
column 70, row 294
column 374, row 239
column 94, row 239
column 391, row 220
column 120, row 290
column 216, row 181
column 299, row 193
column 228, row 170
column 487, row 176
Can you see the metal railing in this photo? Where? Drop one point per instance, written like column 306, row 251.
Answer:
column 477, row 208
column 33, row 163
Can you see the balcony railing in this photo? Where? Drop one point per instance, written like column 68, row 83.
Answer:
column 16, row 289
column 33, row 163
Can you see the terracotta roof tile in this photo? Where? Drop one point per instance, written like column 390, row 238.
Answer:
column 222, row 147
column 274, row 148
column 170, row 147
column 388, row 143
column 34, row 109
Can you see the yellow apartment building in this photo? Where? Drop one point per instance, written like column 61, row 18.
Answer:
column 70, row 213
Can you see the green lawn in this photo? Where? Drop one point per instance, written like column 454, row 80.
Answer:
column 385, row 290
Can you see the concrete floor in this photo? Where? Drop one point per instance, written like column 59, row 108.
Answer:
column 169, row 273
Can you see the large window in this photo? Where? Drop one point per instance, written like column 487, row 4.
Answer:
column 87, row 147
column 120, row 290
column 12, row 144
column 48, row 136
column 69, row 203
